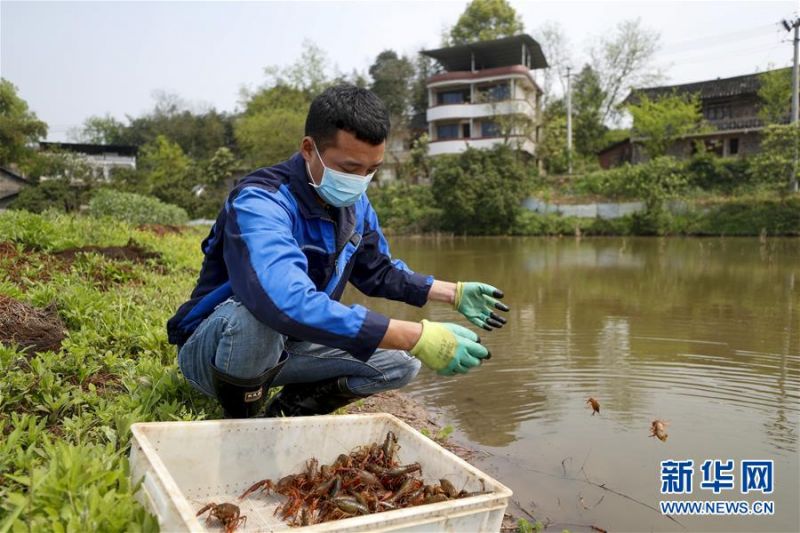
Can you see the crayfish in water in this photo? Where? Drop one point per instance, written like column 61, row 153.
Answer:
column 658, row 430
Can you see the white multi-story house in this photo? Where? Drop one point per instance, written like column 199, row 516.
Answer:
column 102, row 158
column 485, row 94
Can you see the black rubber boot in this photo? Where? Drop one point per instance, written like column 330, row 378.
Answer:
column 243, row 397
column 305, row 399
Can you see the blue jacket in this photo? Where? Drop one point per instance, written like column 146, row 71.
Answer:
column 288, row 258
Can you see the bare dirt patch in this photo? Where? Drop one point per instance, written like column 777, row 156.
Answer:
column 36, row 330
column 161, row 229
column 130, row 252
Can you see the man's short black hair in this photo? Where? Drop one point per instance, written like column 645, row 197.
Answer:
column 350, row 108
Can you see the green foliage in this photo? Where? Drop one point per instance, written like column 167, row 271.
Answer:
column 743, row 217
column 65, row 417
column 553, row 145
column 19, row 127
column 392, row 78
column 774, row 164
column 198, row 134
column 135, row 208
column 775, row 96
column 653, row 181
column 710, row 172
column 167, row 172
column 662, row 121
column 524, row 526
column 418, row 165
column 308, row 74
column 587, row 98
column 50, row 194
column 481, row 191
column 101, row 130
column 272, row 125
column 405, row 208
column 485, row 20
column 62, row 181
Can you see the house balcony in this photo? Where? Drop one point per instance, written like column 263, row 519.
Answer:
column 456, row 146
column 459, row 111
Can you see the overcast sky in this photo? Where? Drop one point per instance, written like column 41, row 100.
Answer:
column 71, row 60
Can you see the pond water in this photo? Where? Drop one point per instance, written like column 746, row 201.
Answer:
column 701, row 333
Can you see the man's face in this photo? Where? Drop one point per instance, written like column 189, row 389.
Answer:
column 347, row 154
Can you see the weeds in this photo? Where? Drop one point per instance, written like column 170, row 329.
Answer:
column 65, row 415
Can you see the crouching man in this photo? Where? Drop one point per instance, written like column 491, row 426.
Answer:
column 265, row 310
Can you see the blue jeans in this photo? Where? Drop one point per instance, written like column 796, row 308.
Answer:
column 242, row 346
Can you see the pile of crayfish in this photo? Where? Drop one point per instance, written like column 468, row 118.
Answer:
column 368, row 480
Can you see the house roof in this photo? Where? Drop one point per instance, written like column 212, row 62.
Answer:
column 626, row 140
column 718, row 88
column 8, row 174
column 490, row 54
column 14, row 176
column 92, row 149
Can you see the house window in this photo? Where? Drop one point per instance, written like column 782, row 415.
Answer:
column 490, row 129
column 447, row 131
column 465, row 130
column 452, row 97
column 496, row 93
column 733, row 146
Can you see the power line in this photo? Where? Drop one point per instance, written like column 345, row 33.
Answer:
column 720, row 38
column 715, row 56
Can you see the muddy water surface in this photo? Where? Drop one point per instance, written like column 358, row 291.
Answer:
column 701, row 333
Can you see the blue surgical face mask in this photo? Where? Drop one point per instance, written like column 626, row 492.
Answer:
column 339, row 189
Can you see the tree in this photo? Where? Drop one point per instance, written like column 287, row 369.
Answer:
column 419, row 96
column 774, row 164
column 552, row 149
column 220, row 167
column 556, row 48
column 198, row 132
column 484, row 20
column 775, row 95
column 62, row 181
column 272, row 124
column 166, row 171
column 480, row 191
column 99, row 130
column 588, row 98
column 392, row 80
column 19, row 127
column 623, row 60
column 662, row 121
column 308, row 73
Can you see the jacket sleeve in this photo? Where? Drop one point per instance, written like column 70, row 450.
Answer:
column 375, row 273
column 268, row 273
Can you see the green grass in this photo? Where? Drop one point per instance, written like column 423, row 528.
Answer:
column 65, row 417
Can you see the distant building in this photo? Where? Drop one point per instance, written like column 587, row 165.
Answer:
column 11, row 184
column 103, row 158
column 479, row 82
column 729, row 105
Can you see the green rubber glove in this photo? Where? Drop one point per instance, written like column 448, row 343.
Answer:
column 449, row 348
column 477, row 302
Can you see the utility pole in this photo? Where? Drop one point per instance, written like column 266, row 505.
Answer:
column 569, row 124
column 794, row 25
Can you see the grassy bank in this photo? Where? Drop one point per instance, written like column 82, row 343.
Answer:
column 65, row 414
column 714, row 217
